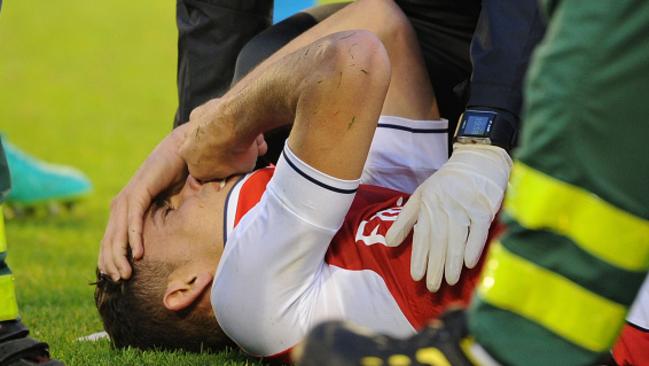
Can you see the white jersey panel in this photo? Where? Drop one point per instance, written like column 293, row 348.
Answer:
column 404, row 152
column 361, row 296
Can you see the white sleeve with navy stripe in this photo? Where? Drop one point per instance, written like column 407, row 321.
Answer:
column 405, row 152
column 268, row 274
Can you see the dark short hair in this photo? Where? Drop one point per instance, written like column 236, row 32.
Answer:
column 133, row 313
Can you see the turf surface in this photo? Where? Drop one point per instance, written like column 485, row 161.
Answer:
column 90, row 84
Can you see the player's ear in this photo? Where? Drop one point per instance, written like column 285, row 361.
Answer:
column 183, row 291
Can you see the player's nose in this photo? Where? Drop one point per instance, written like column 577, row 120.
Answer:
column 191, row 187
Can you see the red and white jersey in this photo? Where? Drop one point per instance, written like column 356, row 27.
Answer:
column 304, row 247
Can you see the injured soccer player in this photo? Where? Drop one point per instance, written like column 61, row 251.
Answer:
column 259, row 259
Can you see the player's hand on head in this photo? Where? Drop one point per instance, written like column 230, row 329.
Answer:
column 162, row 168
column 213, row 148
column 452, row 212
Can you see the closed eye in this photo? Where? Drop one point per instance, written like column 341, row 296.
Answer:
column 167, row 208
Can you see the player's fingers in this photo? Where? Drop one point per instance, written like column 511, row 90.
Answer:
column 120, row 260
column 108, row 267
column 135, row 223
column 404, row 223
column 100, row 258
column 458, row 227
column 437, row 254
column 478, row 232
column 106, row 264
column 106, row 257
column 119, row 246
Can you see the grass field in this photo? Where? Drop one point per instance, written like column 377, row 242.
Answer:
column 90, row 84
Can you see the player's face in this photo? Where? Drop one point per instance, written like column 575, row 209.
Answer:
column 188, row 226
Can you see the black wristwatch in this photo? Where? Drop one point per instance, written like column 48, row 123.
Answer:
column 488, row 127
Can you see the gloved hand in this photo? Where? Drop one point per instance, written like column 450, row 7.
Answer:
column 453, row 210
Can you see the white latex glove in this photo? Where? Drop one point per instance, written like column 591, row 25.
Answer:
column 453, row 210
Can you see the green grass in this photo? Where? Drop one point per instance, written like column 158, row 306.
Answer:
column 90, row 84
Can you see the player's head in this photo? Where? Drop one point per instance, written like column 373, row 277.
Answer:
column 166, row 302
column 133, row 314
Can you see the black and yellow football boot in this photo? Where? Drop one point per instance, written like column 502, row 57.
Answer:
column 443, row 342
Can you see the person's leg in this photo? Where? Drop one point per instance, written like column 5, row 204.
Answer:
column 578, row 209
column 210, row 35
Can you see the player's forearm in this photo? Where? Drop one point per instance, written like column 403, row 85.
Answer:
column 335, row 86
column 271, row 99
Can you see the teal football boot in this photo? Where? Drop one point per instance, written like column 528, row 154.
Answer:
column 36, row 183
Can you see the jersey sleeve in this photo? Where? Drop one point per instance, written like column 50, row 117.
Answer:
column 404, row 152
column 267, row 280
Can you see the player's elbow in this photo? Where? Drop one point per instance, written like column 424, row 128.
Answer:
column 341, row 51
column 360, row 56
column 349, row 61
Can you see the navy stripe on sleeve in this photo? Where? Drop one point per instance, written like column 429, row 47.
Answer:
column 413, row 130
column 315, row 181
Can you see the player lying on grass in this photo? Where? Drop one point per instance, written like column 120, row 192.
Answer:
column 260, row 259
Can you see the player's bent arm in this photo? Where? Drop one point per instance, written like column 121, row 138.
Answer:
column 268, row 280
column 335, row 85
column 336, row 117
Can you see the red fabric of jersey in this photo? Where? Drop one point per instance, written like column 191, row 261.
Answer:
column 632, row 347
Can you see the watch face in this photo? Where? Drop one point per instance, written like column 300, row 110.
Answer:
column 476, row 124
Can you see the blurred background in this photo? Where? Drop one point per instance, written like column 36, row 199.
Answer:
column 90, row 84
